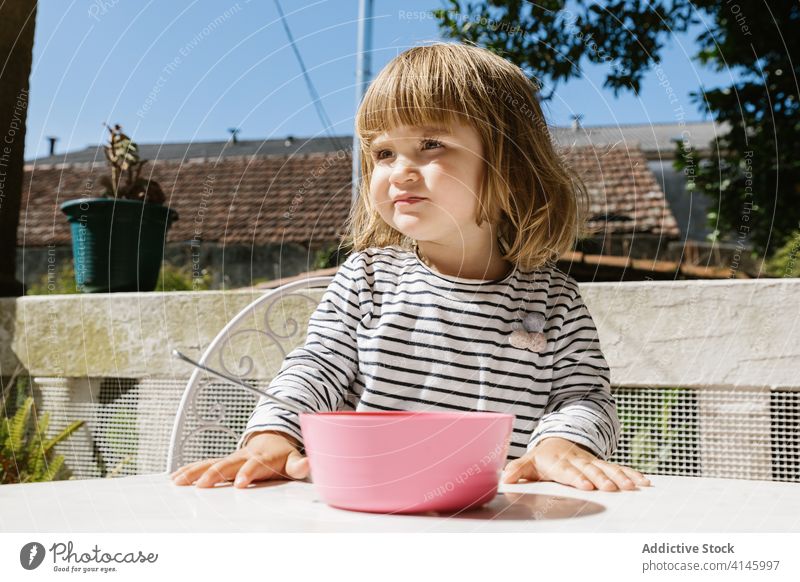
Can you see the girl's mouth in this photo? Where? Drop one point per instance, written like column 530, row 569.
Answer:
column 409, row 201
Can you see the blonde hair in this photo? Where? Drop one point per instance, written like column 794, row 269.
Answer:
column 529, row 193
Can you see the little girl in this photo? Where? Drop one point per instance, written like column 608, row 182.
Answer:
column 450, row 300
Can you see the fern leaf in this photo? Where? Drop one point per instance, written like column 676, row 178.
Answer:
column 34, row 457
column 44, row 423
column 4, row 427
column 63, row 434
column 52, row 470
column 16, row 437
column 36, row 466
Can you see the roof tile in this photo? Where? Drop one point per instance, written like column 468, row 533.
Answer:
column 279, row 199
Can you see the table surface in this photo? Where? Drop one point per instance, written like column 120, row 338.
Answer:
column 152, row 503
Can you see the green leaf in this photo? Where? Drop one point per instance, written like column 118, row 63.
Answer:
column 52, row 470
column 26, row 455
column 19, row 423
column 64, row 434
column 44, row 423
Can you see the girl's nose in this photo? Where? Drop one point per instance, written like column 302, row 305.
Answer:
column 403, row 173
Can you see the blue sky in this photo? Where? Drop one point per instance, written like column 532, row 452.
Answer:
column 188, row 71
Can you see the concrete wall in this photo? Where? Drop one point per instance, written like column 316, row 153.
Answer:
column 734, row 333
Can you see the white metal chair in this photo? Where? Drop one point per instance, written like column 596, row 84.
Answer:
column 213, row 414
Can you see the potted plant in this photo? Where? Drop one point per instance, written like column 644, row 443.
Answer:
column 118, row 238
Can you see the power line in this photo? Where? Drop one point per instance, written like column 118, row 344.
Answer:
column 323, row 116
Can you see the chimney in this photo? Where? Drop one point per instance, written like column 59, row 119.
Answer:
column 234, row 131
column 52, row 141
column 576, row 121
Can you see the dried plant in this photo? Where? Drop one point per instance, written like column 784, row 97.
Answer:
column 125, row 180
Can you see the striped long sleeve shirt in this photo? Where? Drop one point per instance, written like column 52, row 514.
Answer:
column 390, row 333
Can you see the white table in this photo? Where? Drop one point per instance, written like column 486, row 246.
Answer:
column 152, row 503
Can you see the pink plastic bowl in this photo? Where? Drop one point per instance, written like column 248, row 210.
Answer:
column 406, row 462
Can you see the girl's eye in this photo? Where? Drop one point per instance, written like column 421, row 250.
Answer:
column 425, row 142
column 432, row 141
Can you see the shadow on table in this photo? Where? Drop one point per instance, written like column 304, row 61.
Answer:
column 505, row 506
column 526, row 506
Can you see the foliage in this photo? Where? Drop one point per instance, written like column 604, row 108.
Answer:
column 331, row 255
column 655, row 441
column 759, row 109
column 122, row 155
column 61, row 282
column 753, row 171
column 651, row 447
column 170, row 278
column 548, row 41
column 26, row 454
column 174, row 278
column 786, row 261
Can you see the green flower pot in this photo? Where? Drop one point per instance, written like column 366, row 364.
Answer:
column 118, row 245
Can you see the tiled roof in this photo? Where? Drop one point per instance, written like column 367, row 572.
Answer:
column 305, row 198
column 625, row 196
column 288, row 145
column 655, row 139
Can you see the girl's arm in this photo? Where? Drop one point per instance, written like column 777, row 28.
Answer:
column 581, row 407
column 318, row 375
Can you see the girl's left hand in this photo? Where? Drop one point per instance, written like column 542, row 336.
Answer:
column 560, row 460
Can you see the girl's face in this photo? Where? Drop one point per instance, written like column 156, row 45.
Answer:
column 444, row 167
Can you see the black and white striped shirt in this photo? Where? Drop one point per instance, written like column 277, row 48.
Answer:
column 392, row 334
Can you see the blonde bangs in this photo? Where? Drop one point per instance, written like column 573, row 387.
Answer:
column 413, row 92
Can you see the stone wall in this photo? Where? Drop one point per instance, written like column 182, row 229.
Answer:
column 689, row 333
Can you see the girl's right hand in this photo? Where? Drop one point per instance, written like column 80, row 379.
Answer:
column 266, row 455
